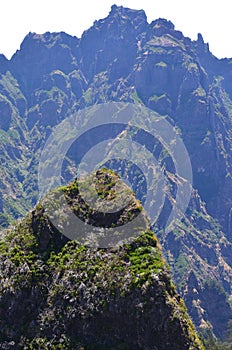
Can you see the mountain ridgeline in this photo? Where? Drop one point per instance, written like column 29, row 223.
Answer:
column 123, row 58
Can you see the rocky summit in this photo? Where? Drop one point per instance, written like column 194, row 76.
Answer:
column 123, row 58
column 61, row 294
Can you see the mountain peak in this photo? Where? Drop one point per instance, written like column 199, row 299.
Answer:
column 3, row 63
column 162, row 26
column 93, row 291
column 164, row 23
column 124, row 11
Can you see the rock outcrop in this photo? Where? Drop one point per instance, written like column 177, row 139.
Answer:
column 61, row 294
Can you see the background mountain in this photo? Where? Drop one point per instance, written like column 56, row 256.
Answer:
column 124, row 58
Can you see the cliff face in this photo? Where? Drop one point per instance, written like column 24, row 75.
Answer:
column 61, row 294
column 123, row 58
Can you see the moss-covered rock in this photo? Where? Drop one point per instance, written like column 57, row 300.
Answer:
column 62, row 294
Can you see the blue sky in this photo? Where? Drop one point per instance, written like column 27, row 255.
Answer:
column 210, row 18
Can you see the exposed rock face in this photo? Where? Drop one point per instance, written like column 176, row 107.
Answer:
column 198, row 263
column 57, row 293
column 123, row 58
